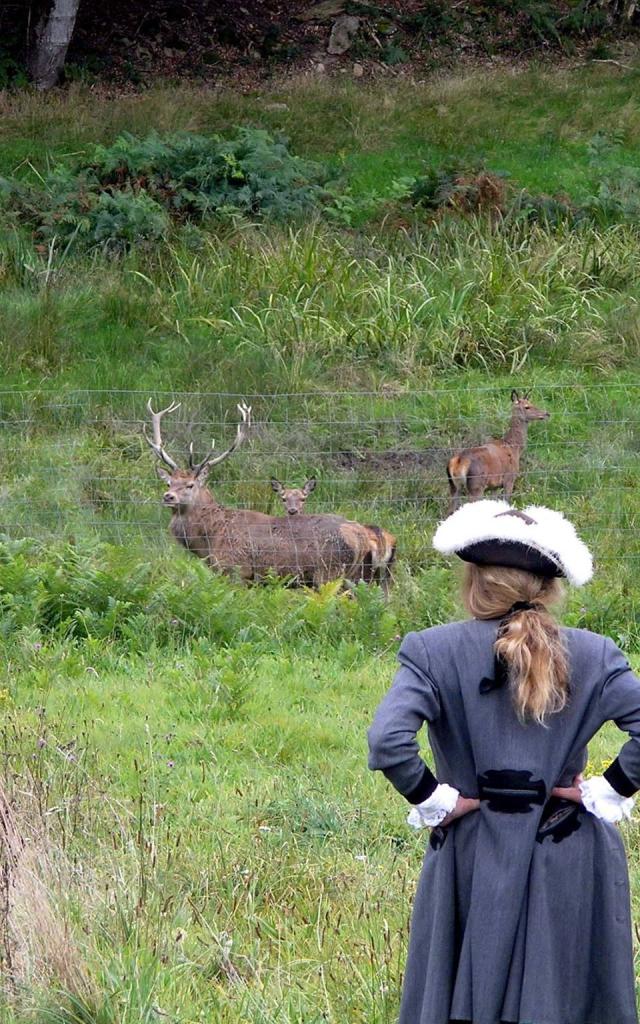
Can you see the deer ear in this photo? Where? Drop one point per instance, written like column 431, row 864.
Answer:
column 309, row 486
column 162, row 473
column 515, row 396
column 203, row 474
column 276, row 485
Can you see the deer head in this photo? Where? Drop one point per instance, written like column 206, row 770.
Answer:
column 186, row 487
column 293, row 498
column 524, row 410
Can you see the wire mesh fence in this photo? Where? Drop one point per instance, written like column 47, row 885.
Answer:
column 77, row 461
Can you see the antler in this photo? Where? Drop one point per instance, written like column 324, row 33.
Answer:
column 156, row 444
column 241, row 435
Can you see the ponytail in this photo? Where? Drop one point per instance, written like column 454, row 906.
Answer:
column 529, row 641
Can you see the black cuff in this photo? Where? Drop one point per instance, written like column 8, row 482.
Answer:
column 427, row 785
column 619, row 780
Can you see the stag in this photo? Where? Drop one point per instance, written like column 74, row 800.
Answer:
column 496, row 463
column 293, row 498
column 310, row 549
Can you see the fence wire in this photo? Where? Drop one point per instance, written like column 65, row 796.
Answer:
column 77, row 460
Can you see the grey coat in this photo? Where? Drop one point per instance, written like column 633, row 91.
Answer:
column 522, row 910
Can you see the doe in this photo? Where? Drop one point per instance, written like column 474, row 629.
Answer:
column 496, row 463
column 379, row 543
column 293, row 498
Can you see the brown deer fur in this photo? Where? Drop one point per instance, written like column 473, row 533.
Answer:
column 312, row 549
column 381, row 543
column 496, row 463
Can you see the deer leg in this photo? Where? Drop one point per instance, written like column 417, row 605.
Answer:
column 387, row 573
column 507, row 486
column 476, row 486
column 366, row 570
column 384, row 580
column 454, row 493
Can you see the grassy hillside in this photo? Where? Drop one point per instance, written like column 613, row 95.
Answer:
column 534, row 124
column 187, row 758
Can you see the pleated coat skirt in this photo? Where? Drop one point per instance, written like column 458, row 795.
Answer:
column 522, row 910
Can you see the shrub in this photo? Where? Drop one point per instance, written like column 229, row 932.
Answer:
column 393, row 54
column 618, row 197
column 463, row 190
column 253, row 173
column 92, row 592
column 434, row 188
column 550, row 211
column 479, row 193
column 476, row 191
column 123, row 218
column 127, row 192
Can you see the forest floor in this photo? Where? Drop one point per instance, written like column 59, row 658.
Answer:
column 243, row 46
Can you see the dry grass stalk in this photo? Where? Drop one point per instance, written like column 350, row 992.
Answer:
column 37, row 945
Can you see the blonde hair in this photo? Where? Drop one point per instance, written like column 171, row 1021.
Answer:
column 529, row 641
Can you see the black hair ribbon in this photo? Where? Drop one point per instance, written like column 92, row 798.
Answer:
column 500, row 668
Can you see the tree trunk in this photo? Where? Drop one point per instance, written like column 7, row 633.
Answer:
column 618, row 10
column 51, row 41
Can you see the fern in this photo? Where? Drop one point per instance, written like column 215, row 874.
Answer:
column 93, row 593
column 130, row 191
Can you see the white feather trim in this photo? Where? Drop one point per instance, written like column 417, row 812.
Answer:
column 551, row 534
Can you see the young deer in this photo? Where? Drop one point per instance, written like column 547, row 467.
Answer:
column 310, row 549
column 382, row 544
column 496, row 463
column 293, row 498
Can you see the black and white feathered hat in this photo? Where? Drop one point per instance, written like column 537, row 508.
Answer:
column 537, row 539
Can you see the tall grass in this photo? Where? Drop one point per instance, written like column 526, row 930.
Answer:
column 289, row 311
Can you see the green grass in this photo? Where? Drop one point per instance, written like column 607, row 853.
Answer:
column 187, row 758
column 221, row 860
column 243, row 865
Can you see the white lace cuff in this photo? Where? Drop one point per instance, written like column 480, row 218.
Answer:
column 601, row 799
column 435, row 809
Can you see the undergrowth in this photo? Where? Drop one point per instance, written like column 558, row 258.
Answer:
column 127, row 192
column 269, row 310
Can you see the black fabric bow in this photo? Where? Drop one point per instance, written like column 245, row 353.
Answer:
column 500, row 667
column 500, row 676
column 523, row 606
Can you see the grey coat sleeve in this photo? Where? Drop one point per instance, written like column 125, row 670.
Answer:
column 412, row 700
column 620, row 703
